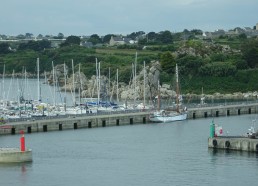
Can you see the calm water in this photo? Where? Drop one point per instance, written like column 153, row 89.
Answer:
column 12, row 89
column 147, row 154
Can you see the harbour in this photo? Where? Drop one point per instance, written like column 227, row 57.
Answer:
column 144, row 154
column 116, row 118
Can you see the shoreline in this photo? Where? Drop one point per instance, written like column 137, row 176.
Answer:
column 216, row 95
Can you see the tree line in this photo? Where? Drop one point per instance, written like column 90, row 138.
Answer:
column 199, row 61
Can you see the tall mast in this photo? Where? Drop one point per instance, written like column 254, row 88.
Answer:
column 109, row 81
column 135, row 67
column 54, row 82
column 73, row 84
column 143, row 84
column 98, row 79
column 80, row 83
column 117, row 92
column 9, row 89
column 45, row 74
column 65, row 74
column 3, row 88
column 25, row 87
column 158, row 96
column 99, row 84
column 80, row 86
column 177, row 90
column 38, row 80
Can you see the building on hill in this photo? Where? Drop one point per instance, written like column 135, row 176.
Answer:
column 87, row 44
column 120, row 41
column 256, row 26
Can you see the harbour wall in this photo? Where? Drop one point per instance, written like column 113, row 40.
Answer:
column 75, row 122
column 222, row 110
column 116, row 119
column 233, row 143
column 15, row 155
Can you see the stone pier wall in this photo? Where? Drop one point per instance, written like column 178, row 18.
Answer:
column 234, row 143
column 116, row 119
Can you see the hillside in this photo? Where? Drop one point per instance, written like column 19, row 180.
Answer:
column 222, row 65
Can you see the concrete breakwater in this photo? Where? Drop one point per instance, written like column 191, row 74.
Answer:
column 119, row 118
column 205, row 111
column 15, row 155
column 234, row 143
column 75, row 122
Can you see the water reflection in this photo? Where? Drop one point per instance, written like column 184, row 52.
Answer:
column 18, row 172
column 22, row 166
column 232, row 153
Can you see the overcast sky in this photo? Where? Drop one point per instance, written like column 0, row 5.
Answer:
column 87, row 17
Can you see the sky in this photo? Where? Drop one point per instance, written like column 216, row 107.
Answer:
column 87, row 17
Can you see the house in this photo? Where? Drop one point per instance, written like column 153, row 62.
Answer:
column 212, row 35
column 87, row 44
column 120, row 41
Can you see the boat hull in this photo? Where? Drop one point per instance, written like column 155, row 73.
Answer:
column 164, row 119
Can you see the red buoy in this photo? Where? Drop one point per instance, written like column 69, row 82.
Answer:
column 22, row 140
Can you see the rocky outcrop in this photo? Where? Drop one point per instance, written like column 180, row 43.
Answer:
column 134, row 90
column 236, row 96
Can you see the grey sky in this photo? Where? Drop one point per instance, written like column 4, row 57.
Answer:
column 87, row 17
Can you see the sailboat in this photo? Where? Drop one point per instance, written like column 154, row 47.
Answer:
column 169, row 115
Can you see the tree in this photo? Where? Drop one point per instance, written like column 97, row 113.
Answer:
column 191, row 64
column 250, row 53
column 241, row 64
column 40, row 36
column 71, row 40
column 196, row 31
column 151, row 36
column 107, row 38
column 59, row 36
column 43, row 44
column 95, row 39
column 186, row 31
column 28, row 35
column 242, row 36
column 165, row 37
column 135, row 35
column 142, row 41
column 20, row 36
column 4, row 48
column 35, row 45
column 218, row 69
column 168, row 62
column 218, row 57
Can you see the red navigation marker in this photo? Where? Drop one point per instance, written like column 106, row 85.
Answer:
column 22, row 140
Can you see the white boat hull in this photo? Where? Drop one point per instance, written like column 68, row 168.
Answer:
column 161, row 118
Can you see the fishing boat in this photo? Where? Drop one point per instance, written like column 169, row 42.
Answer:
column 169, row 115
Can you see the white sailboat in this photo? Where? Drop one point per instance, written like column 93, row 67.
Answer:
column 170, row 115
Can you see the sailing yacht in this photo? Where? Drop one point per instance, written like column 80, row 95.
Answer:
column 169, row 115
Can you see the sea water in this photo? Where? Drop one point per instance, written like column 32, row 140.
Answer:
column 13, row 89
column 154, row 154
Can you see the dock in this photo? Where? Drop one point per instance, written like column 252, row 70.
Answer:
column 233, row 109
column 238, row 143
column 46, row 124
column 106, row 119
